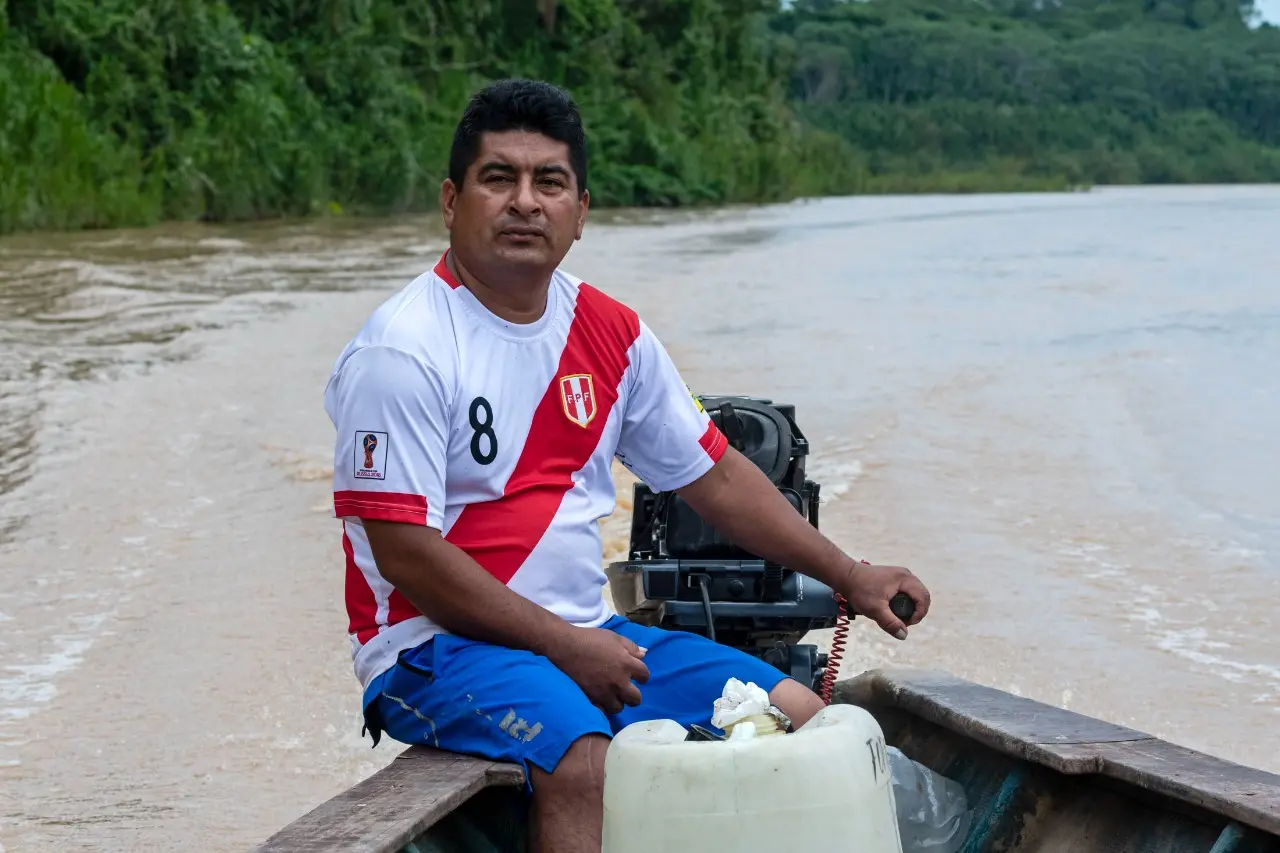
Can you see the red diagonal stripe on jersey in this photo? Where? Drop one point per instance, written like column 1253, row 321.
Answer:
column 500, row 534
column 362, row 608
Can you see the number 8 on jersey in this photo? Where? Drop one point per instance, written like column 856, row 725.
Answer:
column 484, row 441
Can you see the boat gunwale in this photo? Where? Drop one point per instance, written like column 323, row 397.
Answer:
column 1071, row 743
column 396, row 805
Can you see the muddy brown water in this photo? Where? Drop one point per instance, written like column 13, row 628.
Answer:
column 1063, row 411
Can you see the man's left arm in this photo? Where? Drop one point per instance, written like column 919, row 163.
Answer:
column 670, row 443
column 738, row 499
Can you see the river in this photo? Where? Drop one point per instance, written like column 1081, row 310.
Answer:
column 1063, row 411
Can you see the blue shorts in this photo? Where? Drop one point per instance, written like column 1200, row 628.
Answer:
column 508, row 705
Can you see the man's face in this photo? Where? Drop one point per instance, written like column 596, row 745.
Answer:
column 519, row 209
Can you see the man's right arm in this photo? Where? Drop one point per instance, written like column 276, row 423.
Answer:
column 451, row 589
column 455, row 592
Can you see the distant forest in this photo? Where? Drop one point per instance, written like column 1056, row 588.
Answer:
column 966, row 94
column 132, row 112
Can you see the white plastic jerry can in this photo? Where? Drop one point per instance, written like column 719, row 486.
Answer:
column 824, row 787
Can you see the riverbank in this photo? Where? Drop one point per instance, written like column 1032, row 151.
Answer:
column 131, row 114
column 128, row 114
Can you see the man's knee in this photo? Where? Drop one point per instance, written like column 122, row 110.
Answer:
column 795, row 700
column 579, row 774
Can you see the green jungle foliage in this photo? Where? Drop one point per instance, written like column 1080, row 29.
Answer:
column 130, row 112
column 1023, row 91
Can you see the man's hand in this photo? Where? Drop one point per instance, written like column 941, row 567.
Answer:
column 449, row 587
column 868, row 590
column 603, row 664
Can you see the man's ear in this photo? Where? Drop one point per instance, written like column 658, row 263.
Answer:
column 449, row 198
column 582, row 213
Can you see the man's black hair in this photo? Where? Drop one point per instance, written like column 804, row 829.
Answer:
column 519, row 105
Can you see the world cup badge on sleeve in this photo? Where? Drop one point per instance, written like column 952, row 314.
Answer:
column 371, row 455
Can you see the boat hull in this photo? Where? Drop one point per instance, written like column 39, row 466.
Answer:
column 1039, row 779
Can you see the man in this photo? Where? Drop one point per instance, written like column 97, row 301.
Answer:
column 478, row 413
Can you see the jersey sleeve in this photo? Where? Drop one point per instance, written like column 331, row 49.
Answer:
column 390, row 411
column 667, row 440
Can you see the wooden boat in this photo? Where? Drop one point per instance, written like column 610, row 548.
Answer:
column 1038, row 778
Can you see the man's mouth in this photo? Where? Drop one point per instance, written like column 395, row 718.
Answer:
column 524, row 231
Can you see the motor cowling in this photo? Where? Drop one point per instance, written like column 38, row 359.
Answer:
column 684, row 574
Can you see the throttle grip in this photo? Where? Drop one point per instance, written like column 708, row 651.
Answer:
column 902, row 606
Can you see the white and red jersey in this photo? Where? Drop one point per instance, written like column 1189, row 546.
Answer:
column 501, row 436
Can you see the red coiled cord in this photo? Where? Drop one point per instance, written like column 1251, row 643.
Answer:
column 837, row 651
column 837, row 647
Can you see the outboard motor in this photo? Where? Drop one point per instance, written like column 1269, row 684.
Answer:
column 683, row 574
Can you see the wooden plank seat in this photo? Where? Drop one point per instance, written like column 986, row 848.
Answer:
column 419, row 788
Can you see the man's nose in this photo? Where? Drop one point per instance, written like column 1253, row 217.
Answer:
column 525, row 199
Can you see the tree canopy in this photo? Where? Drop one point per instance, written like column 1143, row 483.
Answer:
column 128, row 112
column 1086, row 91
